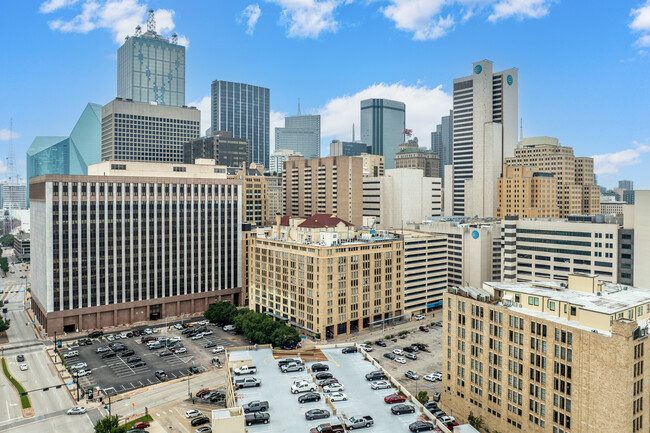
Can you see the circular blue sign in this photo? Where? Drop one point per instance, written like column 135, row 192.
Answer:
column 478, row 69
column 475, row 234
column 509, row 80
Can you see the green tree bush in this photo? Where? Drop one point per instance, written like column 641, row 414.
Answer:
column 422, row 397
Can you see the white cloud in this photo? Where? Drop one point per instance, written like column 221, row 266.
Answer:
column 3, row 167
column 308, row 18
column 641, row 23
column 205, row 106
column 424, row 108
column 6, row 135
column 520, row 9
column 52, row 5
column 120, row 17
column 276, row 120
column 611, row 163
column 251, row 14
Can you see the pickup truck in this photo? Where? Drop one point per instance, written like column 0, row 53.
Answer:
column 328, row 428
column 358, row 422
column 246, row 370
column 257, row 418
column 292, row 367
column 249, row 382
column 303, row 386
column 256, row 406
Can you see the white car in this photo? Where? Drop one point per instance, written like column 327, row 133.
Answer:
column 399, row 352
column 229, row 328
column 400, row 360
column 302, row 386
column 110, row 338
column 175, row 339
column 334, row 387
column 380, row 384
column 78, row 366
column 81, row 373
column 338, row 396
column 181, row 350
column 79, row 410
column 366, row 347
column 197, row 337
column 208, row 332
column 192, row 413
column 123, row 335
column 23, row 367
column 447, row 418
column 419, row 317
column 178, row 326
column 203, row 322
column 148, row 331
column 218, row 349
column 433, row 377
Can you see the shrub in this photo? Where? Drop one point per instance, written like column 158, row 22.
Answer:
column 24, row 399
column 403, row 332
column 422, row 397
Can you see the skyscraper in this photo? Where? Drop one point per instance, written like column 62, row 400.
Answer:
column 347, row 148
column 243, row 110
column 485, row 132
column 626, row 185
column 442, row 142
column 300, row 134
column 382, row 127
column 151, row 69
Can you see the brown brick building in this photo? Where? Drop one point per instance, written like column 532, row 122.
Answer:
column 526, row 193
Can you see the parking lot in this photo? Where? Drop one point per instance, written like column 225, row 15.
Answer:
column 116, row 373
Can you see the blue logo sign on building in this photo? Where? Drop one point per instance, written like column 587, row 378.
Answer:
column 509, row 80
column 478, row 69
column 475, row 234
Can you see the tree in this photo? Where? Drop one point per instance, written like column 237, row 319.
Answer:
column 423, row 397
column 4, row 325
column 109, row 424
column 284, row 335
column 475, row 421
column 7, row 240
column 221, row 312
column 4, row 264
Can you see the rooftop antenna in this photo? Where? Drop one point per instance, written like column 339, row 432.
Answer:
column 175, row 39
column 353, row 132
column 521, row 131
column 11, row 164
column 298, row 106
column 138, row 31
column 151, row 22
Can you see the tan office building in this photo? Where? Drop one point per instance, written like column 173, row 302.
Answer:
column 255, row 197
column 373, row 165
column 546, row 358
column 410, row 155
column 275, row 193
column 326, row 278
column 526, row 193
column 331, row 185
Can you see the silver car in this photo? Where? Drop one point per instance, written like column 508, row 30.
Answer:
column 78, row 366
column 380, row 384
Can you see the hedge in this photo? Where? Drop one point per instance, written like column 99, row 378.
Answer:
column 24, row 399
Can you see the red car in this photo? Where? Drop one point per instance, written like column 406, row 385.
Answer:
column 424, row 329
column 203, row 392
column 394, row 398
column 142, row 424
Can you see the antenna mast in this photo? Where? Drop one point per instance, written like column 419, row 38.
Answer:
column 151, row 22
column 11, row 163
column 298, row 106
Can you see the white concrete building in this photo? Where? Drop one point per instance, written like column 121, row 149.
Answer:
column 401, row 196
column 641, row 237
column 276, row 163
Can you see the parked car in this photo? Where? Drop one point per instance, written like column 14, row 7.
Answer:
column 375, row 375
column 138, row 364
column 420, row 346
column 316, row 414
column 309, row 397
column 78, row 410
column 257, row 418
column 208, row 332
column 328, row 428
column 303, row 386
column 133, row 359
column 320, row 367
column 366, row 347
column 126, row 353
column 394, row 398
column 192, row 413
column 95, row 334
column 447, row 418
column 209, row 345
column 78, row 365
column 246, row 369
column 70, row 354
column 433, row 377
column 165, row 353
column 256, row 406
column 325, row 382
column 411, row 375
column 349, row 349
column 431, row 406
column 358, row 422
column 247, row 382
column 161, row 375
column 108, row 355
column 380, row 384
column 229, row 328
column 400, row 409
column 180, row 350
column 81, row 373
column 141, row 424
column 380, row 343
column 218, row 349
column 323, row 375
column 202, row 392
column 419, row 426
column 23, row 367
column 450, row 425
column 412, row 356
column 424, row 329
column 204, row 429
column 286, row 368
column 334, row 387
column 400, row 360
column 338, row 396
column 419, row 317
column 200, row 421
column 197, row 336
column 102, row 349
column 399, row 352
column 389, row 355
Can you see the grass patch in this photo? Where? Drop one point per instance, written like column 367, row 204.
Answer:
column 130, row 424
column 24, row 399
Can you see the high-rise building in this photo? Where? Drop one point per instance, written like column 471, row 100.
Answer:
column 22, row 249
column 132, row 131
column 333, row 255
column 243, row 110
column 410, row 155
column 401, row 196
column 300, row 134
column 125, row 271
column 347, row 148
column 330, row 185
column 535, row 350
column 13, row 195
column 641, row 216
column 485, row 132
column 276, row 197
column 221, row 146
column 279, row 157
column 151, row 69
column 68, row 155
column 577, row 194
column 627, row 185
column 255, row 196
column 373, row 165
column 526, row 193
column 442, row 140
column 383, row 122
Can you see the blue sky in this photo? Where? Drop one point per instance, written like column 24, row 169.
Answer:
column 583, row 66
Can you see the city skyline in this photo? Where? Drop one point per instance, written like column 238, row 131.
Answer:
column 590, row 89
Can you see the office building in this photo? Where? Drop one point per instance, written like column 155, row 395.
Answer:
column 442, row 140
column 22, row 250
column 243, row 110
column 410, row 155
column 640, row 214
column 151, row 69
column 221, row 146
column 68, row 155
column 485, row 132
column 627, row 185
column 337, row 280
column 13, row 195
column 347, row 148
column 577, row 194
column 383, row 123
column 373, row 165
column 255, row 196
column 612, row 207
column 425, row 271
column 526, row 193
column 524, row 356
column 279, row 157
column 133, row 131
column 300, row 134
column 276, row 197
column 331, row 185
column 401, row 196
column 247, row 235
column 551, row 249
column 100, row 259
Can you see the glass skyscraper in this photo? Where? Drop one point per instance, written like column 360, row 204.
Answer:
column 382, row 127
column 442, row 141
column 300, row 134
column 243, row 110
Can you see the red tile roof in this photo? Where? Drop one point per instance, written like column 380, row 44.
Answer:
column 323, row 220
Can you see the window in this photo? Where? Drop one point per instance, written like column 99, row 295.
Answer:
column 551, row 305
column 180, row 168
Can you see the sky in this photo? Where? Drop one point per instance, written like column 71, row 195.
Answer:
column 583, row 66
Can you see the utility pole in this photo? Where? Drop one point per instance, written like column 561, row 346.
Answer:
column 55, row 361
column 77, row 380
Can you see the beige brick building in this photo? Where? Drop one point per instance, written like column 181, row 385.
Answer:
column 526, row 193
column 325, row 277
column 332, row 185
column 373, row 165
column 410, row 155
column 255, row 200
column 276, row 197
column 544, row 357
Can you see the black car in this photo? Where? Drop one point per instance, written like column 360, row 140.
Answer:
column 257, row 418
column 380, row 343
column 375, row 375
column 309, row 397
column 129, row 334
column 389, row 355
column 187, row 331
column 317, row 414
column 136, row 333
column 323, row 375
column 408, row 349
column 420, row 346
column 165, row 353
column 431, row 406
column 127, row 353
column 320, row 367
column 138, row 364
column 133, row 359
column 330, row 381
column 161, row 375
column 200, row 421
column 399, row 409
column 89, row 393
column 20, row 358
column 349, row 349
column 108, row 355
column 95, row 334
column 419, row 426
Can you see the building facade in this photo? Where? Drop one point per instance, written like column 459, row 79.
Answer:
column 324, row 278
column 331, row 185
column 347, row 148
column 410, row 155
column 132, row 242
column 134, row 131
column 300, row 134
column 255, row 195
column 22, row 249
column 485, row 132
column 383, row 122
column 243, row 110
column 526, row 193
column 373, row 165
column 442, row 140
column 612, row 207
column 276, row 197
column 425, row 271
column 221, row 146
column 279, row 157
column 13, row 195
